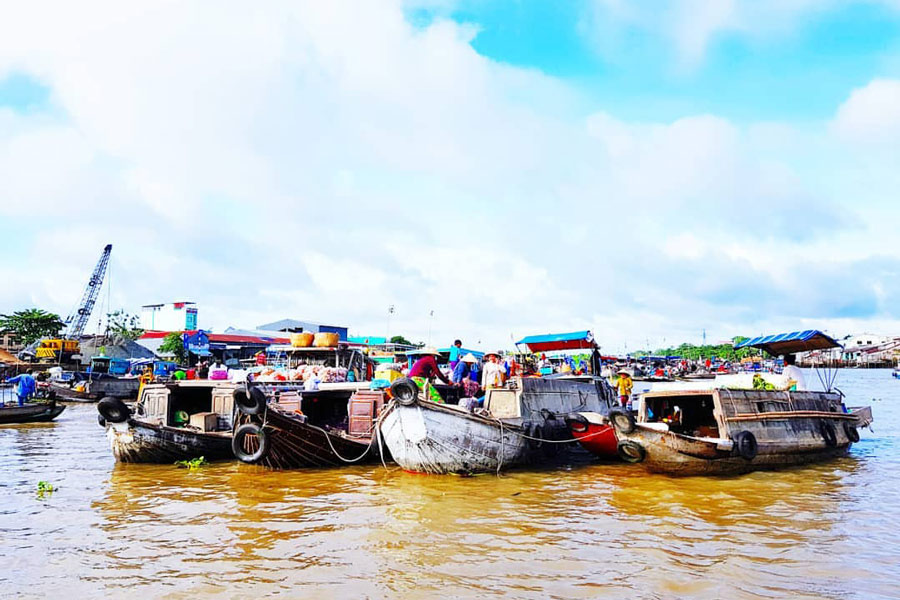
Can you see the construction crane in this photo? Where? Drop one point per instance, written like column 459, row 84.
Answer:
column 65, row 347
column 79, row 317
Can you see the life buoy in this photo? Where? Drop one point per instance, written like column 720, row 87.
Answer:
column 113, row 410
column 631, row 452
column 405, row 391
column 851, row 432
column 745, row 445
column 577, row 422
column 826, row 429
column 237, row 443
column 251, row 401
column 621, row 420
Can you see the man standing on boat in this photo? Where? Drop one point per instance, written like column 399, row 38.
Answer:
column 455, row 351
column 26, row 386
column 793, row 373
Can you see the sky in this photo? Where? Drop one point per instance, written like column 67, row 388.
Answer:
column 647, row 170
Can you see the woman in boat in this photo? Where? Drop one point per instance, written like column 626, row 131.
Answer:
column 623, row 386
column 424, row 371
column 493, row 374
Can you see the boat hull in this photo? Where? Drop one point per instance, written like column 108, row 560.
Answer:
column 440, row 439
column 29, row 413
column 96, row 389
column 597, row 438
column 674, row 454
column 141, row 442
column 294, row 443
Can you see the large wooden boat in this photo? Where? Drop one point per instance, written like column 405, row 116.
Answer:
column 725, row 432
column 171, row 422
column 280, row 427
column 520, row 424
column 30, row 412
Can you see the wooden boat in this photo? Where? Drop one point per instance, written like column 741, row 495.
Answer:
column 30, row 412
column 727, row 432
column 172, row 421
column 281, row 427
column 519, row 425
column 90, row 387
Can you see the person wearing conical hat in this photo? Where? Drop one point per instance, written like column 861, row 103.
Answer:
column 463, row 368
column 493, row 374
column 623, row 385
column 424, row 371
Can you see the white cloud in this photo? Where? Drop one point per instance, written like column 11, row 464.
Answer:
column 327, row 160
column 871, row 115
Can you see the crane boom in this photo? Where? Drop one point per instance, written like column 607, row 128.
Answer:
column 79, row 318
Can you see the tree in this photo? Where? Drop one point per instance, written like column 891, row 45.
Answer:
column 32, row 324
column 173, row 344
column 124, row 325
column 399, row 339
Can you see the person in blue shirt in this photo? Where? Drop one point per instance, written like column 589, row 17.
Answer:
column 463, row 368
column 26, row 386
column 454, row 353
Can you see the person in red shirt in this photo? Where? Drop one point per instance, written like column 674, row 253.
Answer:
column 427, row 368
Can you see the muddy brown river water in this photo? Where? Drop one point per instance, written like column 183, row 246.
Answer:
column 598, row 530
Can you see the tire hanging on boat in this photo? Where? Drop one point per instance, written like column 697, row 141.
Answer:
column 577, row 422
column 621, row 420
column 534, row 431
column 826, row 428
column 250, row 402
column 631, row 452
column 101, row 421
column 851, row 432
column 113, row 410
column 405, row 391
column 745, row 445
column 237, row 443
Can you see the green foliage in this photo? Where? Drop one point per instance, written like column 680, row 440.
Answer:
column 45, row 488
column 193, row 464
column 124, row 325
column 399, row 339
column 721, row 351
column 173, row 344
column 32, row 324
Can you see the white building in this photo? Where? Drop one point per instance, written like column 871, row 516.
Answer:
column 174, row 316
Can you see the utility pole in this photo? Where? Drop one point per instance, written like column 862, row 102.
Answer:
column 387, row 338
column 430, row 322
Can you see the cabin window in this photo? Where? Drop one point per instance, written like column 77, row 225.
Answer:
column 691, row 414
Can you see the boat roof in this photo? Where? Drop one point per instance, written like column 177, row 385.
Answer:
column 575, row 340
column 790, row 343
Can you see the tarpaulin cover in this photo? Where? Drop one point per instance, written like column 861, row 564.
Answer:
column 576, row 340
column 789, row 343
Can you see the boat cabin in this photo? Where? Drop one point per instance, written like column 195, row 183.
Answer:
column 109, row 365
column 690, row 413
column 201, row 405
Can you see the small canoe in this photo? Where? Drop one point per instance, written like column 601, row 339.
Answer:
column 31, row 412
column 595, row 433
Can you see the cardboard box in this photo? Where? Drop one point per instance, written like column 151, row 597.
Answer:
column 205, row 421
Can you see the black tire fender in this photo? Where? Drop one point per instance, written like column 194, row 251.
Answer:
column 577, row 422
column 251, row 401
column 405, row 391
column 851, row 432
column 631, row 452
column 113, row 410
column 101, row 421
column 621, row 420
column 535, row 434
column 745, row 445
column 826, row 429
column 237, row 443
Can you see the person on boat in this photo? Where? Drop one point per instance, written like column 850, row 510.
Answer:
column 623, row 386
column 424, row 371
column 455, row 351
column 463, row 368
column 26, row 386
column 793, row 373
column 492, row 376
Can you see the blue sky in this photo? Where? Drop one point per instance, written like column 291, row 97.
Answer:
column 647, row 170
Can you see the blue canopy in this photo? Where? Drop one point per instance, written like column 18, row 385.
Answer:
column 789, row 343
column 576, row 340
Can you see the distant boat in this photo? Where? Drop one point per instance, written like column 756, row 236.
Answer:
column 30, row 412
